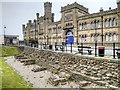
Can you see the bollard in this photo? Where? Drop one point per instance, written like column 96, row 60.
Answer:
column 71, row 47
column 95, row 48
column 113, row 50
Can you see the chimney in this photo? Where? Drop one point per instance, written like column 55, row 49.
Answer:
column 109, row 8
column 29, row 21
column 101, row 9
column 23, row 26
column 118, row 5
column 37, row 14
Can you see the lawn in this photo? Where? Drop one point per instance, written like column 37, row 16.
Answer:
column 8, row 77
column 8, row 50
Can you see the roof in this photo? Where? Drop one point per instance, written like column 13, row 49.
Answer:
column 11, row 35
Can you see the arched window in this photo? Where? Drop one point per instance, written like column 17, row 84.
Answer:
column 106, row 23
column 91, row 25
column 94, row 24
column 83, row 38
column 80, row 38
column 80, row 26
column 111, row 23
column 106, row 37
column 114, row 37
column 85, row 25
column 111, row 37
column 98, row 37
column 98, row 24
column 92, row 37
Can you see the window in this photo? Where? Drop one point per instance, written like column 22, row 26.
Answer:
column 83, row 38
column 111, row 23
column 54, row 30
column 98, row 24
column 80, row 26
column 106, row 37
column 92, row 37
column 114, row 37
column 111, row 38
column 98, row 37
column 106, row 23
column 93, row 24
column 85, row 26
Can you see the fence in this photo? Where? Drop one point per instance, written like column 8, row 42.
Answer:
column 109, row 49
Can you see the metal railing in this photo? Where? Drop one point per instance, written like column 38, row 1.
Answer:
column 110, row 49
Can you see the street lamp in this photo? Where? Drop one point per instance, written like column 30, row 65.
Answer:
column 95, row 38
column 56, row 33
column 4, row 35
column 35, row 32
column 47, row 39
column 38, row 29
column 102, row 29
column 77, row 32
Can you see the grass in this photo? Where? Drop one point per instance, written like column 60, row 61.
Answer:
column 10, row 79
column 8, row 76
column 9, row 51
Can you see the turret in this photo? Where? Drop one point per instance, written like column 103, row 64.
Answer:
column 118, row 5
column 48, row 10
column 23, row 27
column 37, row 15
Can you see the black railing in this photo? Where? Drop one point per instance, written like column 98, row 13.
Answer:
column 110, row 49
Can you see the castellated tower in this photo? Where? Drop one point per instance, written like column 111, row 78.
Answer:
column 48, row 10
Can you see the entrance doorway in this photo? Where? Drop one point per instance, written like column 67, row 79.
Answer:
column 69, row 37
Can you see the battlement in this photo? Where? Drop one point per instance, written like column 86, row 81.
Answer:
column 47, row 4
column 74, row 5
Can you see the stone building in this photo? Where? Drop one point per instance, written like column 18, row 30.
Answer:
column 75, row 21
column 11, row 40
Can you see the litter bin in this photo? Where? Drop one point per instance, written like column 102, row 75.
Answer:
column 101, row 51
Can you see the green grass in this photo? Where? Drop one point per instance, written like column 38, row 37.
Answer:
column 10, row 79
column 9, row 50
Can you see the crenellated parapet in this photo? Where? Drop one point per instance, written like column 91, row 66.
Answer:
column 74, row 5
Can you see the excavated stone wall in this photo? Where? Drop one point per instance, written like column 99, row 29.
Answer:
column 99, row 71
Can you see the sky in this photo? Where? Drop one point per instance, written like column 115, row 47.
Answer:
column 14, row 13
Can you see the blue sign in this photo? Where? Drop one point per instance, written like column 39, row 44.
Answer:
column 69, row 38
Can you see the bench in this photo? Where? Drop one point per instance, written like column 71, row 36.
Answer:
column 85, row 48
column 118, row 52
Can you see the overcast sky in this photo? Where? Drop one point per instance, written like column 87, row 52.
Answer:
column 14, row 13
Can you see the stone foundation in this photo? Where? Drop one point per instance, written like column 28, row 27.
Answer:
column 81, row 69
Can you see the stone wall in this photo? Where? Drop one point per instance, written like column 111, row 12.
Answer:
column 99, row 71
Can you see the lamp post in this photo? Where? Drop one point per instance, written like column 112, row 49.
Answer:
column 47, row 39
column 56, row 33
column 77, row 32
column 95, row 39
column 4, row 35
column 35, row 32
column 102, row 29
column 38, row 31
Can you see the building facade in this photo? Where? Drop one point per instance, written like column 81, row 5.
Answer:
column 9, row 40
column 76, row 21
